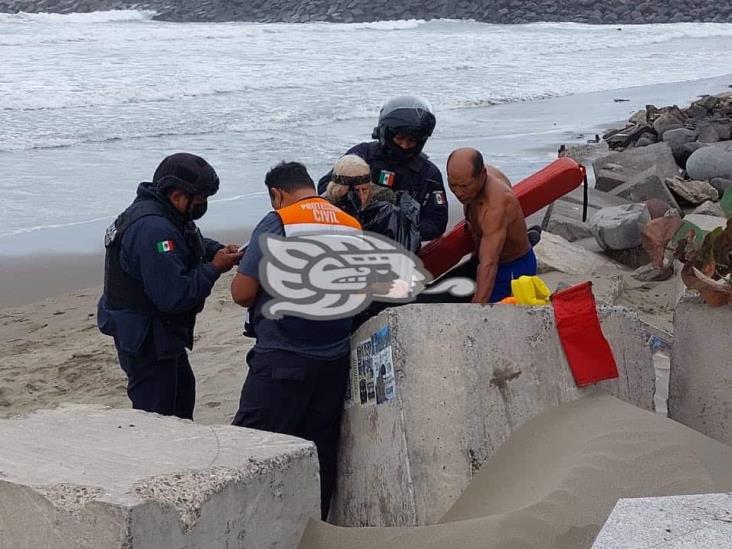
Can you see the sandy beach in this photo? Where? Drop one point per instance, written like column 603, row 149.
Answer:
column 52, row 352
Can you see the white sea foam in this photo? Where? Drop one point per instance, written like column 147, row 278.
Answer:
column 112, row 16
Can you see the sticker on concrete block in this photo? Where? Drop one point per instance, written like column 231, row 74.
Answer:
column 372, row 370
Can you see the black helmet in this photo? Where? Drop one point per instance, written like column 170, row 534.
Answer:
column 407, row 114
column 187, row 172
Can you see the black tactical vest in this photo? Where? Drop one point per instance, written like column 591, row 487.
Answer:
column 123, row 291
column 407, row 176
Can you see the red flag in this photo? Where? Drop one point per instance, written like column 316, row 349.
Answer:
column 588, row 352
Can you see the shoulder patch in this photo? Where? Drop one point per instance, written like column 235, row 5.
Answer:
column 386, row 178
column 440, row 197
column 165, row 246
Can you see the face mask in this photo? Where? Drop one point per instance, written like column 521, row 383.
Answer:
column 196, row 211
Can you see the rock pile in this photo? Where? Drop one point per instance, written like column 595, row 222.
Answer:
column 667, row 161
column 347, row 11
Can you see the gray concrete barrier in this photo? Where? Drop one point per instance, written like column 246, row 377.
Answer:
column 87, row 477
column 678, row 522
column 449, row 384
column 700, row 385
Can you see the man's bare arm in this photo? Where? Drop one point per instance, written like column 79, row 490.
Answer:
column 244, row 289
column 494, row 226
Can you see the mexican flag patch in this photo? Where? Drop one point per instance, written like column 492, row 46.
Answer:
column 165, row 246
column 386, row 179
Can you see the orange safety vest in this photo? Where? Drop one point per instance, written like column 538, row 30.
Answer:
column 316, row 215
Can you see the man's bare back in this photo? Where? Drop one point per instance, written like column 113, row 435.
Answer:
column 496, row 199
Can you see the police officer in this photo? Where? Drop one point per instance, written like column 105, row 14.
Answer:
column 158, row 272
column 397, row 161
column 298, row 367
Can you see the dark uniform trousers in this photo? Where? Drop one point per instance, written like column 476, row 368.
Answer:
column 295, row 395
column 166, row 386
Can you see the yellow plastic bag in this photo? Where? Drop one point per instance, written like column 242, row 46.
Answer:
column 530, row 290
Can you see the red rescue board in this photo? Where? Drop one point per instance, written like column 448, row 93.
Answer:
column 533, row 193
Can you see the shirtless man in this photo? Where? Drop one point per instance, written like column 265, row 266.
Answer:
column 496, row 222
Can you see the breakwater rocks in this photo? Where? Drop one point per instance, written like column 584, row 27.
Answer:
column 350, row 11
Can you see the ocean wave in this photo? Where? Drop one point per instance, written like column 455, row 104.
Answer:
column 64, row 143
column 149, row 95
column 617, row 36
column 114, row 96
column 94, row 17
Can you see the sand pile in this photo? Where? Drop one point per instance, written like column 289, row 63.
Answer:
column 556, row 480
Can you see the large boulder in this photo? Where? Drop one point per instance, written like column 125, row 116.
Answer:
column 617, row 169
column 679, row 136
column 692, row 191
column 668, row 121
column 710, row 162
column 619, row 228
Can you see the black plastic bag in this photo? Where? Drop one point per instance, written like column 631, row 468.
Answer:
column 399, row 221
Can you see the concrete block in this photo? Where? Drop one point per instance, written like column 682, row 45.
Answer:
column 620, row 168
column 700, row 391
column 596, row 199
column 88, row 477
column 457, row 381
column 565, row 219
column 619, row 227
column 607, row 289
column 554, row 253
column 706, row 223
column 672, row 522
column 645, row 186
